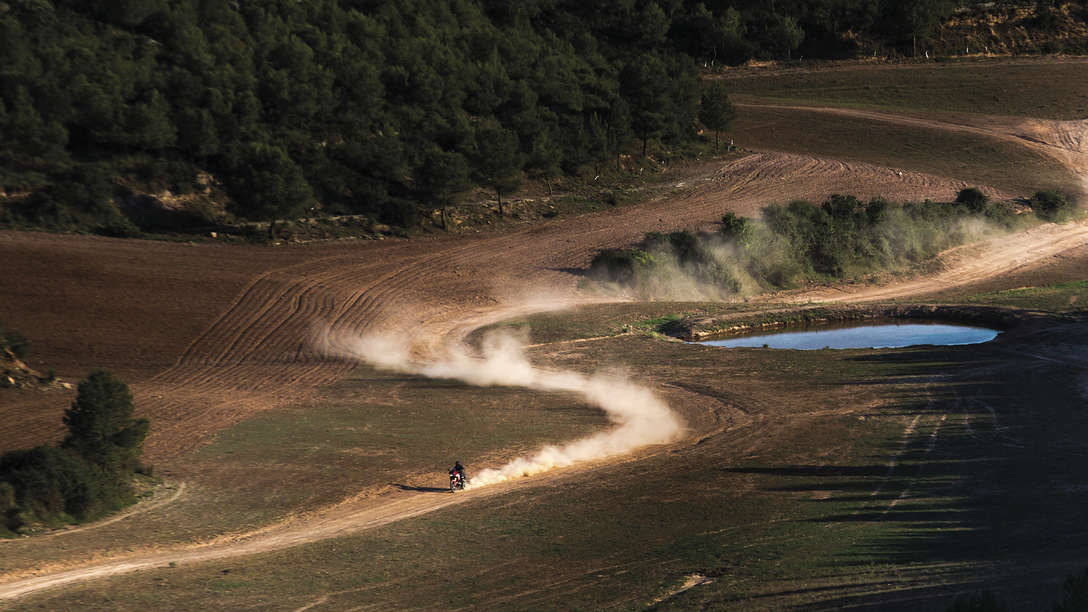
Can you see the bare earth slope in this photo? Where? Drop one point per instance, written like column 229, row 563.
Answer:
column 254, row 321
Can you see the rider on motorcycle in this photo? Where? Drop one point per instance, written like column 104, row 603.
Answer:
column 458, row 471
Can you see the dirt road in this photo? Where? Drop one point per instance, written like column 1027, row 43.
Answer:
column 258, row 346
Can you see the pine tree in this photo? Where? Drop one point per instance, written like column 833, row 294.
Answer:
column 441, row 177
column 497, row 161
column 716, row 112
column 265, row 183
column 100, row 424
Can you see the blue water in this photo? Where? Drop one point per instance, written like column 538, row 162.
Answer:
column 869, row 336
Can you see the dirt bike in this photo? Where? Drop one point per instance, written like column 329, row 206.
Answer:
column 457, row 481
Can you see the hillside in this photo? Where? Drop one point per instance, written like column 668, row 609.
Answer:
column 183, row 116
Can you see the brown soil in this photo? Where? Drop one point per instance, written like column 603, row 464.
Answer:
column 208, row 335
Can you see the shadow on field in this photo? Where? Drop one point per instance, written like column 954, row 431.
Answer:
column 992, row 472
column 404, row 487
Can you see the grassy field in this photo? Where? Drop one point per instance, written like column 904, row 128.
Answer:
column 370, row 432
column 837, row 477
column 1067, row 296
column 1029, row 88
column 891, row 479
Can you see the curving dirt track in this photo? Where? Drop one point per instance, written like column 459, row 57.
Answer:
column 261, row 314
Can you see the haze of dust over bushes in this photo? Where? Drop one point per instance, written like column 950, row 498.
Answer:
column 800, row 241
column 88, row 474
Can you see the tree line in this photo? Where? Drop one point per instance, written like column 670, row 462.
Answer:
column 365, row 106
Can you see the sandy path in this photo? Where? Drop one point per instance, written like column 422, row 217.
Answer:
column 259, row 351
column 968, row 264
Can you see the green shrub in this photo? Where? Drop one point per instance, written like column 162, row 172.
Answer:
column 840, row 238
column 86, row 476
column 1002, row 214
column 624, row 266
column 739, row 229
column 973, row 199
column 118, row 227
column 14, row 342
column 1051, row 206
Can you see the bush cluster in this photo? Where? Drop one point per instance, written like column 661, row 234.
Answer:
column 88, row 474
column 14, row 341
column 799, row 241
column 1052, row 206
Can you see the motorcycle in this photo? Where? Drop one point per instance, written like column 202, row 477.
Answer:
column 457, row 481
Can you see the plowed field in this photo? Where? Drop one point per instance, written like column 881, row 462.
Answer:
column 208, row 336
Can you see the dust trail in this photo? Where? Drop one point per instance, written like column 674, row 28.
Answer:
column 641, row 418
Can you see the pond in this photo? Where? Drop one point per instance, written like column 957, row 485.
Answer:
column 867, row 336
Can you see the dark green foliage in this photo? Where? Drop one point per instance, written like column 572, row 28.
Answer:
column 661, row 258
column 441, row 176
column 339, row 102
column 624, row 266
column 100, row 424
column 979, row 602
column 799, row 241
column 1052, row 206
column 973, row 199
column 15, row 342
column 89, row 473
column 737, row 229
column 265, row 183
column 646, row 84
column 343, row 102
column 716, row 112
column 1074, row 592
column 497, row 161
column 82, row 198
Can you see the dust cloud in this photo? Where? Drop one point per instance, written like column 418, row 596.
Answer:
column 639, row 416
column 728, row 271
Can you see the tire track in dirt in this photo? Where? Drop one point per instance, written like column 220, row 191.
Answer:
column 1062, row 141
column 974, row 262
column 250, row 357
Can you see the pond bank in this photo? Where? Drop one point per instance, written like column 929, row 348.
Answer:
column 702, row 327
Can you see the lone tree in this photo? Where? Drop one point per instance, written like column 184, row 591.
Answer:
column 716, row 112
column 100, row 424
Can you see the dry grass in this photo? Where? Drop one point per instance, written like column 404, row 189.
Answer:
column 1044, row 88
column 971, row 158
column 828, row 476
